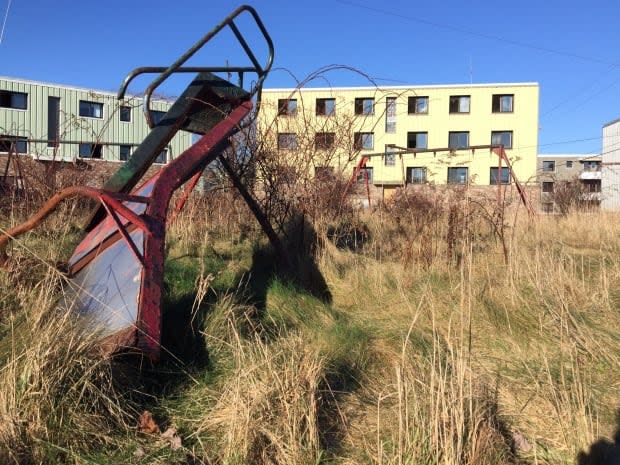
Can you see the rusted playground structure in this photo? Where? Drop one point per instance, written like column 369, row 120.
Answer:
column 115, row 275
column 116, row 272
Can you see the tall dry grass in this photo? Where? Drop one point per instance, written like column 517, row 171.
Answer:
column 454, row 335
column 532, row 344
column 58, row 398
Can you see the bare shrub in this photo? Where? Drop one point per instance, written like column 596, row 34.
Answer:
column 418, row 214
column 573, row 196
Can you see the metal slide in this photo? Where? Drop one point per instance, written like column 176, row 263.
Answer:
column 116, row 272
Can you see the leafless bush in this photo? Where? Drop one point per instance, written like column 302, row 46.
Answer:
column 418, row 214
column 573, row 195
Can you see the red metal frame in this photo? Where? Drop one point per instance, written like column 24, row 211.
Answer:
column 356, row 171
column 145, row 209
column 497, row 149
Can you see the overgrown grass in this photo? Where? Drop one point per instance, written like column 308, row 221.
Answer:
column 440, row 351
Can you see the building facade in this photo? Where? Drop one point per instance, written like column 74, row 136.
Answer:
column 338, row 126
column 611, row 166
column 63, row 123
column 557, row 171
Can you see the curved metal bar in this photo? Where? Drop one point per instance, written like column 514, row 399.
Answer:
column 185, row 69
column 228, row 21
column 52, row 203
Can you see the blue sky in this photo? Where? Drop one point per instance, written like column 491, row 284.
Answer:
column 572, row 49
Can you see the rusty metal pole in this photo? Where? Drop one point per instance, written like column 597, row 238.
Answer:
column 256, row 210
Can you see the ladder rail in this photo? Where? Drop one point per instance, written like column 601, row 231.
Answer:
column 260, row 70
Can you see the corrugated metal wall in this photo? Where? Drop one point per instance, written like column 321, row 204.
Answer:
column 32, row 123
column 610, row 182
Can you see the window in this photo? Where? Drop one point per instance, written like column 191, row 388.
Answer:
column 458, row 140
column 162, row 157
column 287, row 140
column 125, row 114
column 547, row 207
column 548, row 187
column 390, row 157
column 287, row 107
column 459, row 104
column 390, row 114
column 592, row 165
column 124, row 152
column 502, row 138
column 548, row 165
column 363, row 141
column 592, row 185
column 502, row 103
column 569, row 163
column 53, row 121
column 18, row 144
column 15, row 100
column 504, row 177
column 364, row 106
column 91, row 151
column 157, row 116
column 365, row 173
column 91, row 109
column 417, row 140
column 324, row 140
column 417, row 105
column 457, row 175
column 324, row 173
column 325, row 106
column 416, row 175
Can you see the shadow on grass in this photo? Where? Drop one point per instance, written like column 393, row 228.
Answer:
column 301, row 272
column 183, row 346
column 603, row 451
column 185, row 354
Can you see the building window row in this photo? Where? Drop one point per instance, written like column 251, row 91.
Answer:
column 415, row 140
column 500, row 103
column 88, row 109
column 85, row 150
column 95, row 151
column 456, row 175
column 458, row 139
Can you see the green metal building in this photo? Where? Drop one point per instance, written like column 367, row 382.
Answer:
column 58, row 122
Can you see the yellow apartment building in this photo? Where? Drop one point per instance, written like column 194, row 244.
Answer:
column 340, row 125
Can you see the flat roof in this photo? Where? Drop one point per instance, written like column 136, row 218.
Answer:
column 611, row 122
column 568, row 155
column 412, row 86
column 78, row 89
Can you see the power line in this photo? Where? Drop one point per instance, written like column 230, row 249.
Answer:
column 6, row 16
column 583, row 90
column 478, row 34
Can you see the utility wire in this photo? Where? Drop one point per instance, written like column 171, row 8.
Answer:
column 478, row 34
column 589, row 99
column 6, row 16
column 613, row 65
